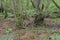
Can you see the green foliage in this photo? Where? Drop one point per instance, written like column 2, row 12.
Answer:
column 56, row 37
column 31, row 11
column 56, row 20
column 9, row 30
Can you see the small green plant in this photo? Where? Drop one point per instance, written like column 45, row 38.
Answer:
column 9, row 30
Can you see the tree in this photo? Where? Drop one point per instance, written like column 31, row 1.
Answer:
column 3, row 8
column 17, row 10
column 39, row 6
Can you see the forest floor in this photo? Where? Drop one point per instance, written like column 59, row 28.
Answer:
column 47, row 32
column 50, row 31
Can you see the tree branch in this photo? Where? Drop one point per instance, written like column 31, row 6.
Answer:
column 56, row 4
column 33, row 4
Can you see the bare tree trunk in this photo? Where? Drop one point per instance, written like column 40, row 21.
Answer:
column 37, row 4
column 3, row 8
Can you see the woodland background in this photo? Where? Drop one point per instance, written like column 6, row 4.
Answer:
column 29, row 19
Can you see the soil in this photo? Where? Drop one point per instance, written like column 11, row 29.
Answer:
column 4, row 25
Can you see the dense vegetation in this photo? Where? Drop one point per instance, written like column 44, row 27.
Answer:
column 30, row 14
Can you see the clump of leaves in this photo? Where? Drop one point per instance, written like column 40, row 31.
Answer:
column 55, row 36
column 9, row 30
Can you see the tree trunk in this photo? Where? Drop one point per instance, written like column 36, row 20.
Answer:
column 39, row 13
